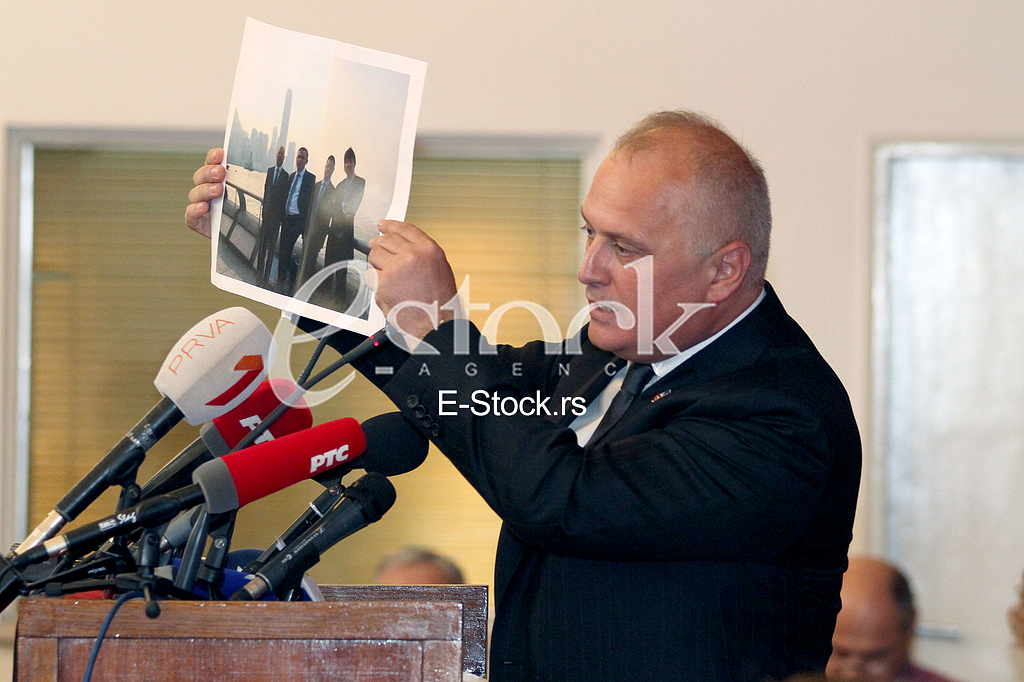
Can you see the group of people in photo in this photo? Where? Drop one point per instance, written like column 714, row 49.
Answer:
column 321, row 212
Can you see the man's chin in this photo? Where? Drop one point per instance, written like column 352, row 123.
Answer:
column 606, row 339
column 612, row 340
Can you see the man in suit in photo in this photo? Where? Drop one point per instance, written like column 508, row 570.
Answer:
column 275, row 191
column 296, row 215
column 677, row 482
column 341, row 239
column 319, row 224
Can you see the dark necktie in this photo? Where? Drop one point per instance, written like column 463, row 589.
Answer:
column 293, row 192
column 636, row 379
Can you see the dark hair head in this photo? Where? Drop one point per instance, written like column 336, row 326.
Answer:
column 903, row 598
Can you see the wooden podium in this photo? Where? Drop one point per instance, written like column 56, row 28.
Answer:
column 364, row 633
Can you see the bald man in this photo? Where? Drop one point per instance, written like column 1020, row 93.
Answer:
column 418, row 566
column 875, row 628
column 684, row 509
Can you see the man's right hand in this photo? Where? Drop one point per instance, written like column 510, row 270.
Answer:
column 209, row 184
column 408, row 270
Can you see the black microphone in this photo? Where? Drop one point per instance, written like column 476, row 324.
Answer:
column 393, row 447
column 212, row 368
column 318, row 508
column 363, row 503
column 147, row 514
column 222, row 485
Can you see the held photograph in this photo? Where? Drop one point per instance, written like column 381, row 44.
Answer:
column 318, row 148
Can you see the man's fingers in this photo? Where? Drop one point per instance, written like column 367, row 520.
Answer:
column 389, row 226
column 396, row 235
column 391, row 243
column 406, row 231
column 214, row 156
column 208, row 174
column 205, row 192
column 209, row 184
column 370, row 276
column 197, row 218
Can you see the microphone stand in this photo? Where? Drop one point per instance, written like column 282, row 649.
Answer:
column 219, row 528
column 143, row 579
column 149, row 558
column 130, row 489
column 211, row 573
column 192, row 555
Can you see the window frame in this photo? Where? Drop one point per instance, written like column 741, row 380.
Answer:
column 16, row 257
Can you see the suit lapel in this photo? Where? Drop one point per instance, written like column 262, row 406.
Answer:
column 736, row 349
column 731, row 354
column 588, row 375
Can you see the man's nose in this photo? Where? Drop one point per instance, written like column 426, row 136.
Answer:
column 592, row 269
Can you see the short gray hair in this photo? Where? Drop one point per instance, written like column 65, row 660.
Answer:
column 730, row 185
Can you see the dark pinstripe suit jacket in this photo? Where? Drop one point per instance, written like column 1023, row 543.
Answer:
column 702, row 538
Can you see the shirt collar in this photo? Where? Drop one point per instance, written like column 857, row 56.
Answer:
column 663, row 367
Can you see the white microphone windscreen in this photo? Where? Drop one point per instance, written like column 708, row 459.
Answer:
column 217, row 364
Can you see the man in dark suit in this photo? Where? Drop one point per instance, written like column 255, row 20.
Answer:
column 275, row 191
column 296, row 215
column 691, row 524
column 703, row 534
column 341, row 240
column 319, row 224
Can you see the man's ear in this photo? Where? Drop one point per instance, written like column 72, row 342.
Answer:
column 731, row 263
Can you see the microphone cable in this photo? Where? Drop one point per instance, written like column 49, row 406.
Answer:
column 305, row 383
column 135, row 594
column 313, row 359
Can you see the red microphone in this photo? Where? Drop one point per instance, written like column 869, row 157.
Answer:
column 238, row 478
column 220, row 436
column 225, row 432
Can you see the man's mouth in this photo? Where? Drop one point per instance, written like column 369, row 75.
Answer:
column 603, row 310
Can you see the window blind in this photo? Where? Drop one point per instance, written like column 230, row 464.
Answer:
column 118, row 279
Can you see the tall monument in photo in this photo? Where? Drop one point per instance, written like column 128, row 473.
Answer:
column 282, row 140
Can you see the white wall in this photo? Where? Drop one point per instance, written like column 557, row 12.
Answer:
column 810, row 87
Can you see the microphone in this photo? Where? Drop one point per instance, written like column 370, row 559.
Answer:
column 147, row 514
column 220, row 436
column 10, row 584
column 197, row 523
column 393, row 447
column 222, row 485
column 233, row 577
column 239, row 477
column 214, row 367
column 363, row 503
